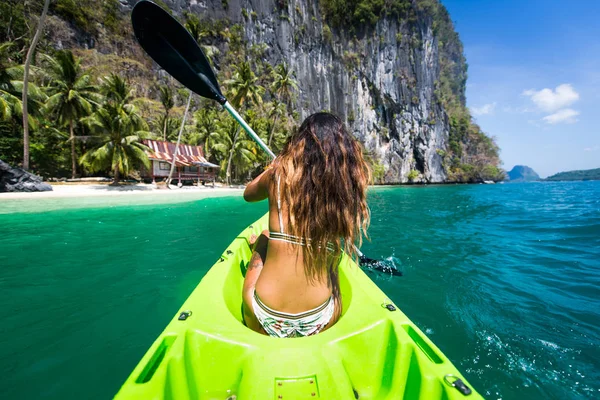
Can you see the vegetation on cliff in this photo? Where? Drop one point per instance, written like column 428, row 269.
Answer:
column 100, row 37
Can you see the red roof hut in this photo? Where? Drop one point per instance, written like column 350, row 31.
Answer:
column 190, row 163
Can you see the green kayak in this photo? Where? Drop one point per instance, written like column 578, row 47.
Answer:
column 373, row 352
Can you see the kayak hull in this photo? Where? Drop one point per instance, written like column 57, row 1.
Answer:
column 372, row 352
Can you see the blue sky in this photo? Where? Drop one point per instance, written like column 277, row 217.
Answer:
column 534, row 78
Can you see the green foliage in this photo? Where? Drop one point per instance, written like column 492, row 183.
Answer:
column 378, row 171
column 352, row 14
column 112, row 22
column 351, row 60
column 412, row 175
column 244, row 87
column 73, row 11
column 284, row 84
column 377, row 168
column 398, row 37
column 71, row 95
column 351, row 117
column 118, row 130
column 244, row 13
column 13, row 29
column 580, row 175
column 327, row 35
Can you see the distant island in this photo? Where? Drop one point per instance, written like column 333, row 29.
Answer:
column 580, row 175
column 522, row 173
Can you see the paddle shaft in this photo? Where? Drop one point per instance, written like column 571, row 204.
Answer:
column 248, row 129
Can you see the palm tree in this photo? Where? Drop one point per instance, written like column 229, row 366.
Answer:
column 283, row 85
column 115, row 89
column 245, row 89
column 277, row 110
column 168, row 102
column 229, row 144
column 24, row 100
column 71, row 95
column 244, row 86
column 205, row 125
column 119, row 129
column 11, row 93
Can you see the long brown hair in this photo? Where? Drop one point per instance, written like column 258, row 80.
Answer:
column 323, row 181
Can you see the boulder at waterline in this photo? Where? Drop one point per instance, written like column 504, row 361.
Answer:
column 19, row 180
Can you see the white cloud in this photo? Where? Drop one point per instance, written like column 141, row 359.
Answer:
column 485, row 109
column 549, row 100
column 566, row 115
column 595, row 148
column 518, row 110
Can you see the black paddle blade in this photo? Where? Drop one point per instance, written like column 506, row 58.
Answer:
column 378, row 265
column 174, row 49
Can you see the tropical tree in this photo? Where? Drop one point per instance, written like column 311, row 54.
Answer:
column 168, row 102
column 283, row 85
column 206, row 119
column 116, row 90
column 231, row 145
column 11, row 106
column 119, row 130
column 11, row 90
column 244, row 86
column 277, row 110
column 71, row 94
column 245, row 89
column 25, row 91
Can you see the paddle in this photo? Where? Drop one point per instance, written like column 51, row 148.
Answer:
column 171, row 45
column 176, row 51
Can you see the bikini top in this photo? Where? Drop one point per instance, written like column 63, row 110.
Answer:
column 286, row 237
column 281, row 235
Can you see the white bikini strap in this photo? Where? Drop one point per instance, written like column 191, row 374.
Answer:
column 279, row 205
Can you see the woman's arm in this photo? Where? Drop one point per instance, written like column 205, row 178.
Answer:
column 258, row 189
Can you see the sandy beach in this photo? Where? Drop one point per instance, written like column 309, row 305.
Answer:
column 140, row 189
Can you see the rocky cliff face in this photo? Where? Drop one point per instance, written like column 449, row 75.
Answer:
column 384, row 78
column 381, row 80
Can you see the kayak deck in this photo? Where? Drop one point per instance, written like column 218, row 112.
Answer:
column 372, row 352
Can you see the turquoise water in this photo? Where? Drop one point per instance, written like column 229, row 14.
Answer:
column 505, row 279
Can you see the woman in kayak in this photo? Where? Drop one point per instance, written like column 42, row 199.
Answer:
column 317, row 209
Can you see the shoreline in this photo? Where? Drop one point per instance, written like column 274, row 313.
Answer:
column 103, row 190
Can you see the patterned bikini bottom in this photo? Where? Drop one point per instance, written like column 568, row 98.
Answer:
column 284, row 325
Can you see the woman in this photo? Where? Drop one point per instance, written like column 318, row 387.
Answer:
column 317, row 208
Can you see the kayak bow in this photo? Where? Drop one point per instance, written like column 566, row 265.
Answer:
column 373, row 352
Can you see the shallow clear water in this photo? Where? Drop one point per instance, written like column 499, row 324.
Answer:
column 505, row 279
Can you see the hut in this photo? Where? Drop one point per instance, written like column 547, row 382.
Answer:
column 190, row 164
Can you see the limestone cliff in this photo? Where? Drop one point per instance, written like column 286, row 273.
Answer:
column 394, row 77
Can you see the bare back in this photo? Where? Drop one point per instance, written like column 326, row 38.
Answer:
column 283, row 284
